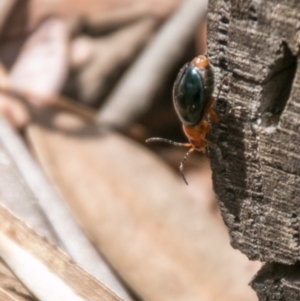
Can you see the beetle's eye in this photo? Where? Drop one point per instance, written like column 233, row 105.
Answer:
column 189, row 95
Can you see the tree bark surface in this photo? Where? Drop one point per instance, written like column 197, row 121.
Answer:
column 255, row 160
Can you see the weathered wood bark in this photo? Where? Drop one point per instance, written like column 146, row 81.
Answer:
column 256, row 166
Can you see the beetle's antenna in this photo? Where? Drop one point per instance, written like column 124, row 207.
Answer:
column 224, row 80
column 182, row 164
column 157, row 139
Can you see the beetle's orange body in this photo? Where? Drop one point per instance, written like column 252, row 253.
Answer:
column 197, row 133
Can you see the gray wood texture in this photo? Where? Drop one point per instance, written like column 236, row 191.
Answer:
column 256, row 164
column 277, row 281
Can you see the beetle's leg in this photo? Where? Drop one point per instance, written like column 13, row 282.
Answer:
column 210, row 111
column 212, row 114
column 205, row 141
column 182, row 164
column 204, row 127
column 224, row 80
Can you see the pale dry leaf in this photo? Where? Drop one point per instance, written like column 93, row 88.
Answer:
column 42, row 66
column 99, row 14
column 134, row 93
column 161, row 242
column 110, row 54
column 11, row 288
column 25, row 191
column 46, row 271
column 82, row 50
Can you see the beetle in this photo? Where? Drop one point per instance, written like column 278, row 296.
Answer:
column 194, row 104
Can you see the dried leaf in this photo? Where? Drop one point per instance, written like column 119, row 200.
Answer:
column 43, row 269
column 138, row 214
column 27, row 193
column 41, row 68
column 134, row 94
column 108, row 58
column 11, row 288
